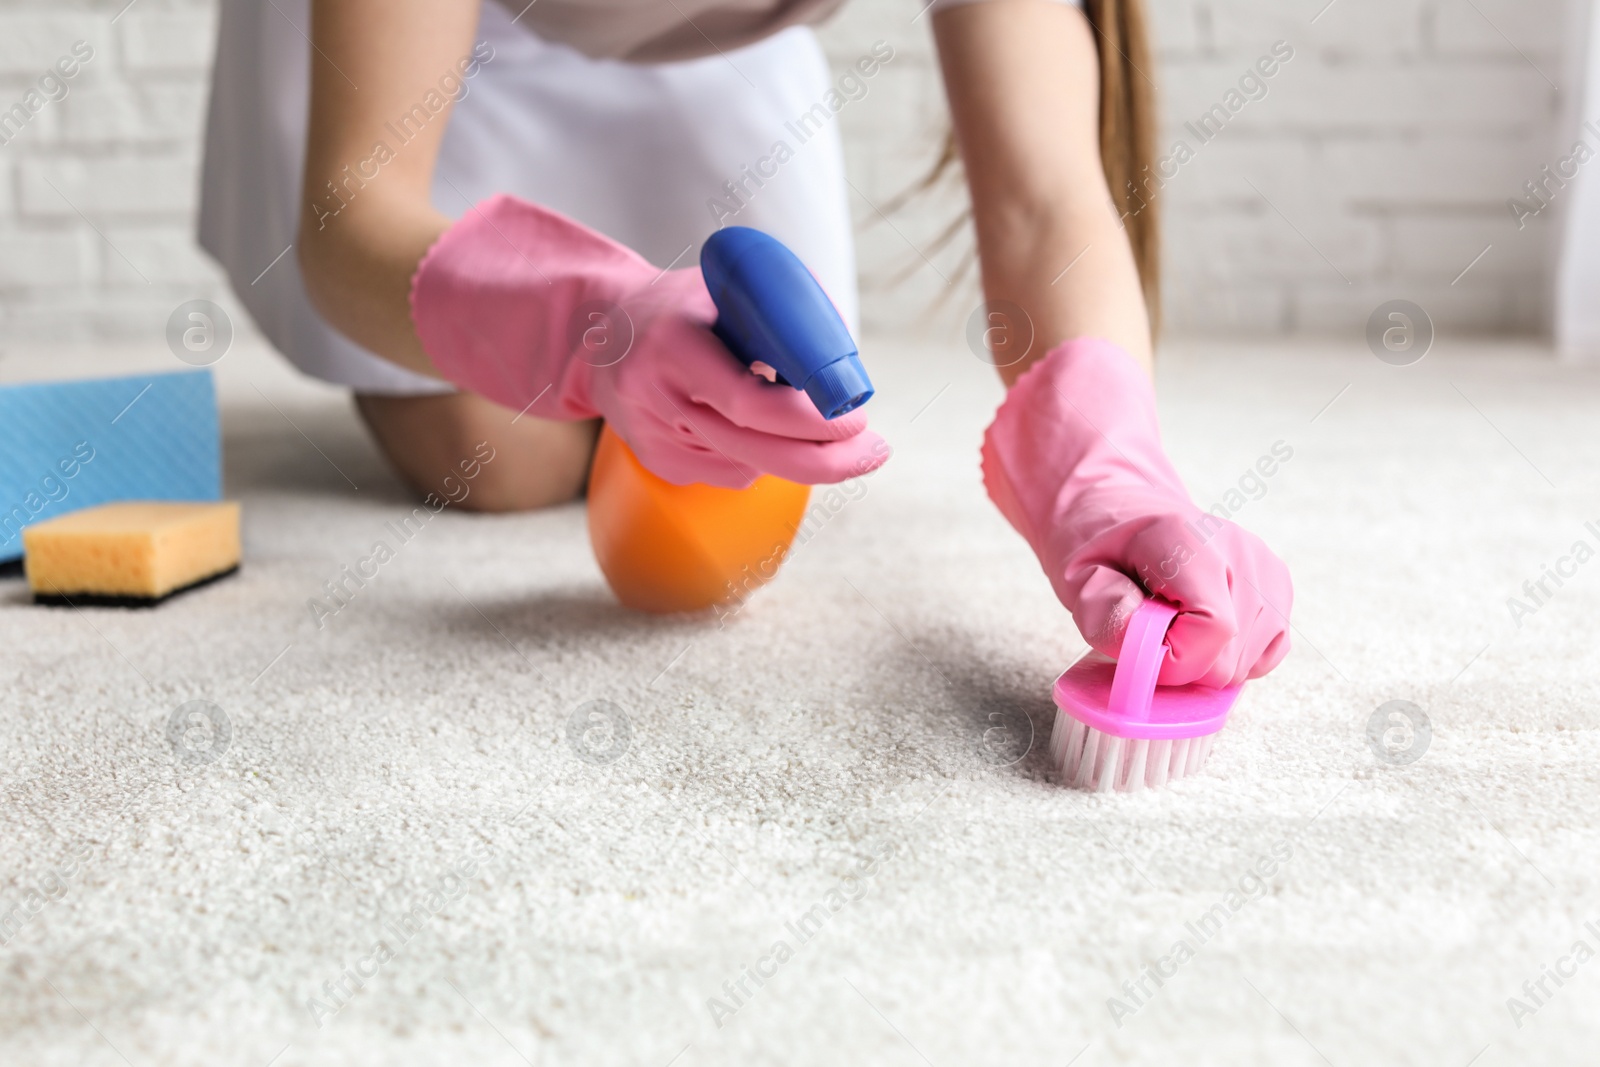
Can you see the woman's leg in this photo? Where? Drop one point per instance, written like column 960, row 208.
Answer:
column 537, row 462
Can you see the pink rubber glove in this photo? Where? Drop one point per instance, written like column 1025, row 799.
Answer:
column 540, row 314
column 1074, row 461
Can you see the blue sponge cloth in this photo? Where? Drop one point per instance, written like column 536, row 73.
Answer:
column 71, row 445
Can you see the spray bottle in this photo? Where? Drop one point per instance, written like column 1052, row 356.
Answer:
column 665, row 547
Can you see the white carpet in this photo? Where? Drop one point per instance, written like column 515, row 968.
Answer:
column 186, row 912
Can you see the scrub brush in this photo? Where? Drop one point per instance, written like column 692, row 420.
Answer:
column 1117, row 729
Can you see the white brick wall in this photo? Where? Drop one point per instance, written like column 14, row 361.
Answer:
column 98, row 191
column 1390, row 142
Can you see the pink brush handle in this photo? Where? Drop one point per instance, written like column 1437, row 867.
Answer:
column 1139, row 660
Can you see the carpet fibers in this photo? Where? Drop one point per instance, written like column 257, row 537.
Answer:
column 472, row 811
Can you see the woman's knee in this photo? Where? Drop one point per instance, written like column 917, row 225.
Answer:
column 478, row 455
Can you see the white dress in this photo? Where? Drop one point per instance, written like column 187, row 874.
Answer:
column 640, row 152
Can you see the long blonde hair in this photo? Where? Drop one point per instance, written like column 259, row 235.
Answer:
column 1127, row 139
column 1128, row 133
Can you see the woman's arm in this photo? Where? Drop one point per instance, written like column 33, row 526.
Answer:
column 1022, row 77
column 373, row 62
column 1096, row 497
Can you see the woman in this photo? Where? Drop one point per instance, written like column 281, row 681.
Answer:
column 469, row 188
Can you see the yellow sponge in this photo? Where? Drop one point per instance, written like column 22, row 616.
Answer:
column 130, row 554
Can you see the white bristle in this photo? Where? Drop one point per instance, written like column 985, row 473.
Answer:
column 1160, row 760
column 1066, row 740
column 1110, row 762
column 1086, row 758
column 1134, row 778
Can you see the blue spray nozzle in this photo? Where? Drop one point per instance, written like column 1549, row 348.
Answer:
column 771, row 310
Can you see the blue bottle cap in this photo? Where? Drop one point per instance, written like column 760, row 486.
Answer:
column 771, row 310
column 840, row 387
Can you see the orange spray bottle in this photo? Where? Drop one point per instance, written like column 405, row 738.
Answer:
column 667, row 548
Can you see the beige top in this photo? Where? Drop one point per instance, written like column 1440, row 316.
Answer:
column 655, row 31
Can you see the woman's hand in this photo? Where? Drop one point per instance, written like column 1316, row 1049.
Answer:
column 1074, row 461
column 545, row 316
